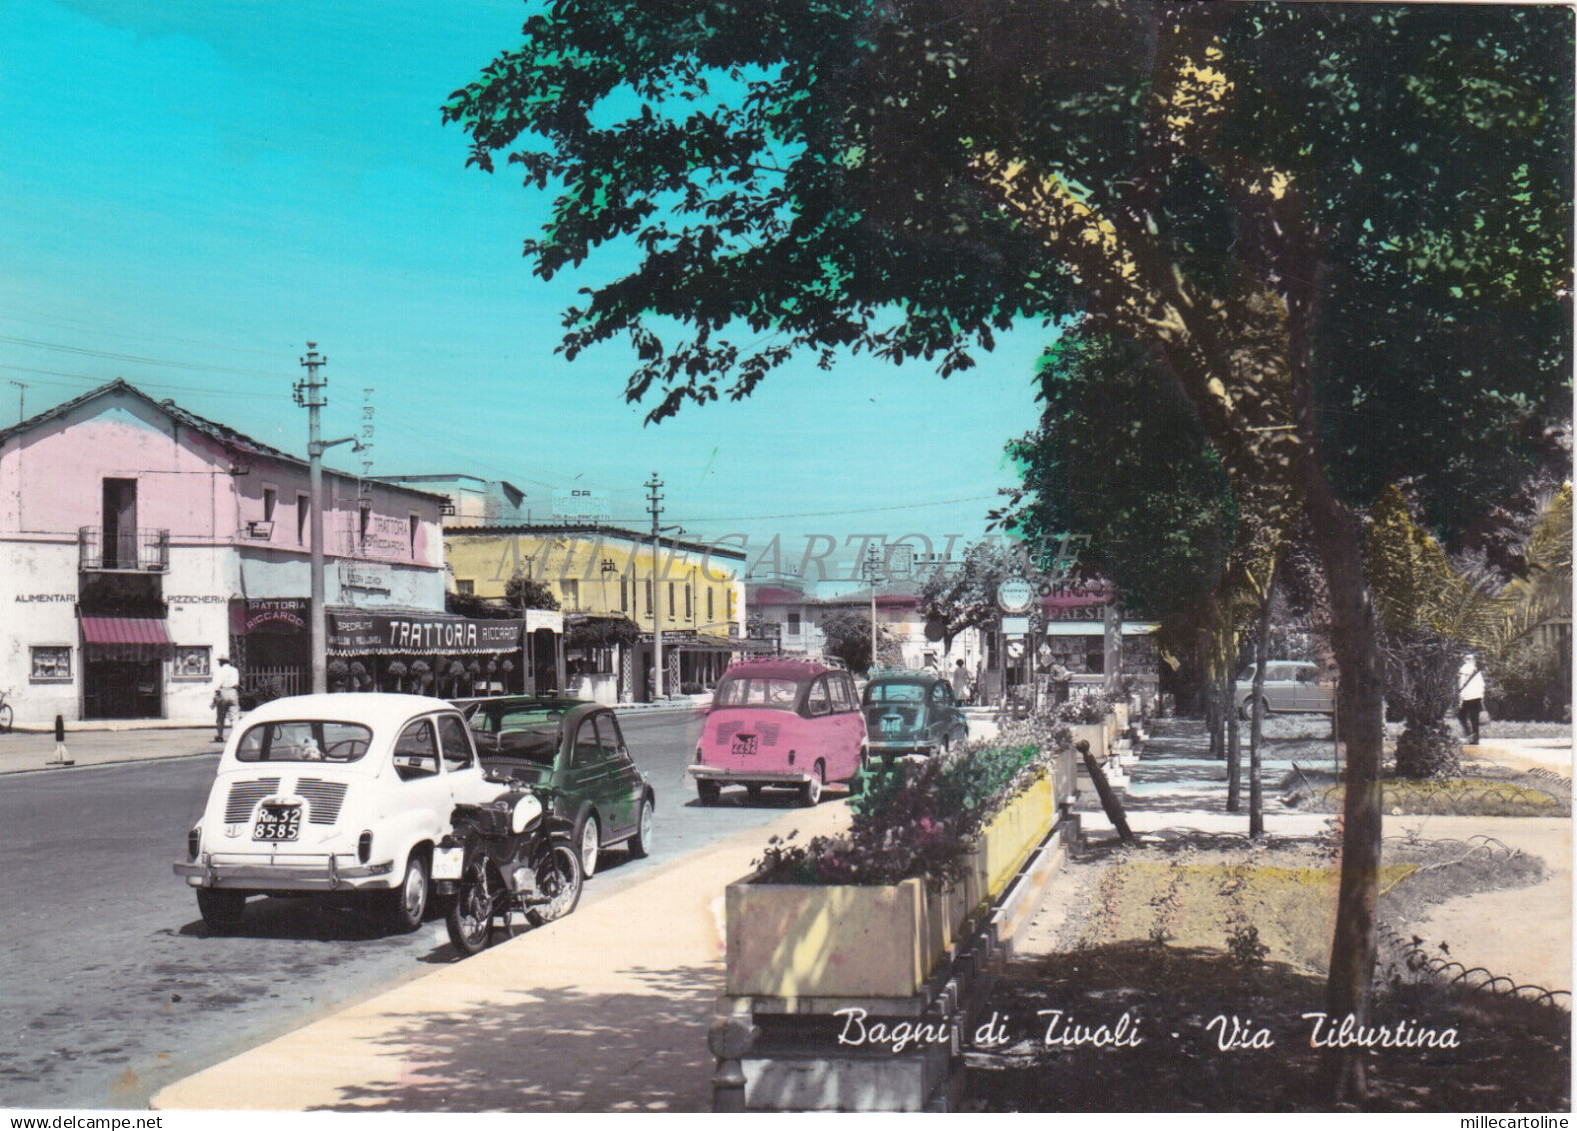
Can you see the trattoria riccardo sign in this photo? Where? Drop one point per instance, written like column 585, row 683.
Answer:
column 396, row 634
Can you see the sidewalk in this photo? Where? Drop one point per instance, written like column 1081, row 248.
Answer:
column 607, row 1010
column 21, row 751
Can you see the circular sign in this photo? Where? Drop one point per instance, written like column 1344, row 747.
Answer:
column 1015, row 649
column 1015, row 595
column 935, row 629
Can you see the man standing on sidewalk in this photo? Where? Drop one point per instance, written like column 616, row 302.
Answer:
column 1471, row 681
column 227, row 696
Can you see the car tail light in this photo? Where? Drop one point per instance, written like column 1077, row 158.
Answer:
column 364, row 847
column 791, row 757
column 194, row 843
column 698, row 754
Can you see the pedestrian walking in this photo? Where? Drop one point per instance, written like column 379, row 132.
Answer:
column 960, row 682
column 227, row 696
column 1061, row 681
column 1470, row 680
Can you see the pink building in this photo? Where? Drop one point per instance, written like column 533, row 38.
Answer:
column 139, row 542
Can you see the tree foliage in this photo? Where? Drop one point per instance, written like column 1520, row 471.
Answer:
column 964, row 595
column 847, row 637
column 527, row 593
column 1119, row 457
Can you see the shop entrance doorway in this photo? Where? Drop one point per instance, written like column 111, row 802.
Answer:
column 123, row 689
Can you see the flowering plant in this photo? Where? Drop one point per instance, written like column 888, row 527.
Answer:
column 1086, row 709
column 920, row 819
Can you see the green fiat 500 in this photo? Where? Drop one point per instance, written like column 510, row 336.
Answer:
column 576, row 749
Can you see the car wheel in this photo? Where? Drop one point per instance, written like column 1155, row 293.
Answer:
column 641, row 842
column 754, row 791
column 810, row 791
column 406, row 906
column 709, row 792
column 589, row 842
column 221, row 910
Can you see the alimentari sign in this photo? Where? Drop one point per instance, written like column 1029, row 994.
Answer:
column 416, row 634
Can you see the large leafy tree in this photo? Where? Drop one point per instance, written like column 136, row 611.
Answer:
column 1342, row 229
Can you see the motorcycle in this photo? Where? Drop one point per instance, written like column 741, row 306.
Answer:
column 505, row 856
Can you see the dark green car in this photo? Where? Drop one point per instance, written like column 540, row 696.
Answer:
column 911, row 713
column 575, row 748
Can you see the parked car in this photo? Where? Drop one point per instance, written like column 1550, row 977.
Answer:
column 576, row 749
column 911, row 713
column 1290, row 685
column 779, row 722
column 333, row 794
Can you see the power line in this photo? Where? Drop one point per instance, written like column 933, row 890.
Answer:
column 137, row 359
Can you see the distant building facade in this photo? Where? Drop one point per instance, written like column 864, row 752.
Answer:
column 470, row 501
column 603, row 575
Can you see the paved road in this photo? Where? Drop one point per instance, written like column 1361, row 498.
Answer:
column 112, row 987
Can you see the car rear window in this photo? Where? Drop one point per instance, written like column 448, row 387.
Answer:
column 304, row 740
column 756, row 691
column 894, row 693
column 532, row 734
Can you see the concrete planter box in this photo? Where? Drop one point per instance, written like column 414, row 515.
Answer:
column 862, row 941
column 1095, row 735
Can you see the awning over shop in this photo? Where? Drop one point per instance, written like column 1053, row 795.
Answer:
column 418, row 634
column 691, row 641
column 137, row 639
column 1095, row 628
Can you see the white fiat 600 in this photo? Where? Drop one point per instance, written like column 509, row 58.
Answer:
column 333, row 793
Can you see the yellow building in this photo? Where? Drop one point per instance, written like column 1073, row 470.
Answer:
column 614, row 590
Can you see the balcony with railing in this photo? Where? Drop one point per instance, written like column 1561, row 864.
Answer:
column 124, row 551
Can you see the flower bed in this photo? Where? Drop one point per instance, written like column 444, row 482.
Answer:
column 869, row 913
column 873, row 940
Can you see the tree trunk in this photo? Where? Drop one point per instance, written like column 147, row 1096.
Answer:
column 1360, row 728
column 1234, row 745
column 1214, row 723
column 1256, row 799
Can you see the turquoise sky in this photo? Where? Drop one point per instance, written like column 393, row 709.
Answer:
column 192, row 189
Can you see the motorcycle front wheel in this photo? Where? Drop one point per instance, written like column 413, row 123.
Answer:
column 559, row 877
column 470, row 917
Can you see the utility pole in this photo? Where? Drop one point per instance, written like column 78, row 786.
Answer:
column 21, row 400
column 310, row 394
column 873, row 573
column 655, row 502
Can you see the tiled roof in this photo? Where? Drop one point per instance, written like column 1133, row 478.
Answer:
column 225, row 435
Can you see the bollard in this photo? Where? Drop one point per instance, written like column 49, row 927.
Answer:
column 61, row 758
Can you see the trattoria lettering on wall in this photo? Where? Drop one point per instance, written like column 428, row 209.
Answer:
column 397, row 634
